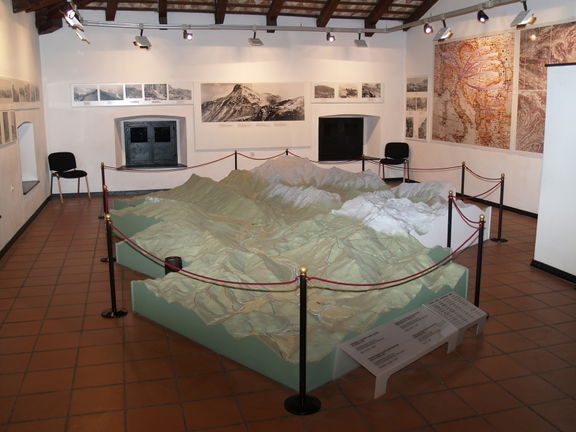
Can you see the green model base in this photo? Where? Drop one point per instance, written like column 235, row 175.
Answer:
column 250, row 351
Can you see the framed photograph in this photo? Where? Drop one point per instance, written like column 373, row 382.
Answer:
column 5, row 91
column 180, row 93
column 110, row 92
column 120, row 94
column 134, row 91
column 6, row 126
column 347, row 92
column 417, row 107
column 84, row 94
column 155, row 92
column 372, row 92
column 12, row 125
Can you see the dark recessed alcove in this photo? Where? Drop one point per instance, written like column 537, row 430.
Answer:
column 340, row 138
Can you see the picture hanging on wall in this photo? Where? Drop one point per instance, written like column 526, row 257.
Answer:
column 18, row 94
column 12, row 123
column 473, row 91
column 118, row 94
column 417, row 107
column 252, row 102
column 6, row 127
column 347, row 92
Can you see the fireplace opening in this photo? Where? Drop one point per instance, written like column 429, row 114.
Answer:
column 151, row 144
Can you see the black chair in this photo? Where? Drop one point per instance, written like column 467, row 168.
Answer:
column 397, row 153
column 63, row 165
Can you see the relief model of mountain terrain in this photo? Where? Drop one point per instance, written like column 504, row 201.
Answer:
column 244, row 104
column 263, row 225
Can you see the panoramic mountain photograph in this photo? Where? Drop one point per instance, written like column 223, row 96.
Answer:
column 252, row 102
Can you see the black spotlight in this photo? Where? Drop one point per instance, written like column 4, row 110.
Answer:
column 482, row 17
column 428, row 28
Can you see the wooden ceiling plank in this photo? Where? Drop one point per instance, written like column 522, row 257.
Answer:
column 273, row 12
column 421, row 10
column 163, row 11
column 327, row 12
column 220, row 11
column 111, row 9
column 37, row 5
column 380, row 9
column 20, row 5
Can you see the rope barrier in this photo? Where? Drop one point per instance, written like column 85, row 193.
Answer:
column 148, row 171
column 486, row 193
column 471, row 223
column 268, row 158
column 399, row 167
column 482, row 177
column 220, row 282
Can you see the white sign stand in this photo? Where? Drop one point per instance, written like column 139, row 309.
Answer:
column 388, row 348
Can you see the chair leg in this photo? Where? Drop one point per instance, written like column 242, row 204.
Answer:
column 60, row 189
column 87, row 187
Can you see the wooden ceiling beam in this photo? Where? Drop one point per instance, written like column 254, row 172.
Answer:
column 381, row 7
column 163, row 11
column 46, row 23
column 220, row 11
column 20, row 5
column 111, row 9
column 37, row 5
column 421, row 10
column 273, row 12
column 327, row 13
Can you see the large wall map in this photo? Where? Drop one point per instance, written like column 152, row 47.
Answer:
column 538, row 47
column 473, row 91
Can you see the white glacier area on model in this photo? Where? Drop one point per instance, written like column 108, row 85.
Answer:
column 263, row 225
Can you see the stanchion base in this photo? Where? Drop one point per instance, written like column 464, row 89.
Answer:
column 105, row 259
column 499, row 240
column 109, row 313
column 311, row 405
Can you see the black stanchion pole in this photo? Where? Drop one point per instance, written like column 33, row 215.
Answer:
column 479, row 261
column 363, row 166
column 462, row 176
column 286, row 152
column 105, row 207
column 500, row 212
column 302, row 404
column 103, row 178
column 235, row 159
column 113, row 312
column 449, row 233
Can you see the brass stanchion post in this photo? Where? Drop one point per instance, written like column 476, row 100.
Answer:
column 462, row 177
column 113, row 312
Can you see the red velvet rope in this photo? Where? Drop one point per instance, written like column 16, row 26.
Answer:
column 268, row 158
column 481, row 177
column 463, row 216
column 488, row 192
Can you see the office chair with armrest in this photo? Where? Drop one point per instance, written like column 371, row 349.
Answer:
column 63, row 165
column 397, row 153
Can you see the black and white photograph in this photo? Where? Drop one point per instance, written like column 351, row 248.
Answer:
column 417, row 84
column 371, row 90
column 179, row 92
column 324, row 91
column 349, row 91
column 409, row 127
column 133, row 91
column 15, row 93
column 422, row 128
column 85, row 93
column 6, row 126
column 249, row 102
column 421, row 103
column 111, row 92
column 155, row 92
column 12, row 121
column 411, row 104
column 5, row 91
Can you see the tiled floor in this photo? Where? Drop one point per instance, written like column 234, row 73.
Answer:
column 64, row 368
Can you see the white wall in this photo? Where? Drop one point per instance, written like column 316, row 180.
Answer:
column 522, row 169
column 213, row 56
column 556, row 231
column 19, row 51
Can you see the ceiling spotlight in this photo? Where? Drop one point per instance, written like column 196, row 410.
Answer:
column 482, row 17
column 72, row 17
column 142, row 41
column 360, row 43
column 428, row 28
column 444, row 33
column 254, row 41
column 81, row 36
column 524, row 18
column 330, row 37
column 187, row 34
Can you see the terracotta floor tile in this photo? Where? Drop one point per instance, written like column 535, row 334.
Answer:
column 150, row 369
column 545, row 336
column 383, row 415
column 500, row 367
column 55, row 425
column 212, row 413
column 6, row 405
column 359, row 390
column 539, row 360
column 284, row 424
column 166, row 418
column 520, row 419
column 99, row 375
column 15, row 345
column 531, row 390
column 459, row 374
column 510, row 342
column 474, row 424
column 40, row 406
column 561, row 414
column 31, row 302
column 477, row 347
column 563, row 379
column 566, row 352
column 554, row 298
column 148, row 393
column 345, row 420
column 263, row 405
column 204, row 386
column 524, row 303
column 330, row 396
column 10, row 384
column 57, row 341
column 246, row 380
column 20, row 329
column 519, row 321
column 486, row 398
column 13, row 363
column 97, row 399
column 196, row 364
column 108, row 422
column 47, row 381
column 441, row 406
column 414, row 381
column 57, row 359
column 100, row 354
column 101, row 337
column 551, row 315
